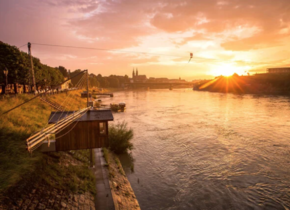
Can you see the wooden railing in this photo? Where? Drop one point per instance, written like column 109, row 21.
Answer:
column 35, row 141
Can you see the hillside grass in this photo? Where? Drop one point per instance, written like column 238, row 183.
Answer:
column 16, row 163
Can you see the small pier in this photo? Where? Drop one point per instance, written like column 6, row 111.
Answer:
column 104, row 94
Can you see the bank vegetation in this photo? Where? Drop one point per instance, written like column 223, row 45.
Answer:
column 66, row 171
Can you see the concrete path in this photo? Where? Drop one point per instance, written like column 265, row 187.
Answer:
column 104, row 199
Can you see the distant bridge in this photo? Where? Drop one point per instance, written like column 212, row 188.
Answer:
column 160, row 85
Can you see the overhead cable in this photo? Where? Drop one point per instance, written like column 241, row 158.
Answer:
column 103, row 49
column 22, row 46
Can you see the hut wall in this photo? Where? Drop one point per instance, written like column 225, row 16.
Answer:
column 81, row 135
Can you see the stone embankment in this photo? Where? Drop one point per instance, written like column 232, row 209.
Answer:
column 122, row 192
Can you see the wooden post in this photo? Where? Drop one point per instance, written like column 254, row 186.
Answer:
column 91, row 150
column 91, row 158
column 31, row 61
column 87, row 88
column 15, row 88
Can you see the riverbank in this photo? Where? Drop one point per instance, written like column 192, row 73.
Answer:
column 60, row 177
column 122, row 192
column 269, row 84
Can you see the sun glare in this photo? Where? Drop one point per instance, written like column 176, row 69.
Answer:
column 225, row 70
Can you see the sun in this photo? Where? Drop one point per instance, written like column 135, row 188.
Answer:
column 225, row 70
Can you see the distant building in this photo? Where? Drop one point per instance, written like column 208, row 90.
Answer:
column 138, row 78
column 177, row 80
column 279, row 70
column 161, row 80
column 65, row 85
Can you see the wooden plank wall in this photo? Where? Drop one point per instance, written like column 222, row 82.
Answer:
column 81, row 135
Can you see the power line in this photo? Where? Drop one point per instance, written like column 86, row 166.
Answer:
column 103, row 49
column 20, row 104
column 22, row 46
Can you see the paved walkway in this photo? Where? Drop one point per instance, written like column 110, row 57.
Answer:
column 104, row 199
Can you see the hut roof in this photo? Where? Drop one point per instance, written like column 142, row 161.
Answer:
column 91, row 115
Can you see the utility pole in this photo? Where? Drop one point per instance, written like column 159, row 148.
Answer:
column 32, row 70
column 91, row 150
column 6, row 74
column 87, row 88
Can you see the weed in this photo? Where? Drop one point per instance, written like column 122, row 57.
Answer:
column 117, row 161
column 106, row 155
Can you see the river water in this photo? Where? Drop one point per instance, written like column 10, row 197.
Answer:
column 202, row 150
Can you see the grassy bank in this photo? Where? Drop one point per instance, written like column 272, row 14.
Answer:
column 60, row 170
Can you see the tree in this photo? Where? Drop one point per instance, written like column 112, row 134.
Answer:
column 114, row 82
column 63, row 70
column 104, row 83
column 19, row 67
column 76, row 80
column 93, row 81
column 16, row 64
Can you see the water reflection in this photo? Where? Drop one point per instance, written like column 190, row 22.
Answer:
column 127, row 161
column 202, row 150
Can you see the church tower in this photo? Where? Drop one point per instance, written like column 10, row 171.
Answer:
column 133, row 74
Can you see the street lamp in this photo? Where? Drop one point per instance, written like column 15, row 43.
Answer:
column 6, row 74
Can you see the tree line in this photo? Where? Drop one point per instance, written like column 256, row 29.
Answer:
column 19, row 72
column 112, row 81
column 18, row 65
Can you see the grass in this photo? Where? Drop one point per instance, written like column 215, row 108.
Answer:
column 76, row 178
column 117, row 161
column 132, row 167
column 106, row 155
column 16, row 126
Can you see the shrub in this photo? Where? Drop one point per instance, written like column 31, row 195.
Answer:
column 114, row 107
column 120, row 137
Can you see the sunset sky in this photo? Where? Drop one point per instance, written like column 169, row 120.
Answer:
column 224, row 36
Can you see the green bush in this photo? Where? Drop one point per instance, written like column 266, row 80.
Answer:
column 114, row 107
column 120, row 137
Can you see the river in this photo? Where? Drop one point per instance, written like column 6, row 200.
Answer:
column 203, row 150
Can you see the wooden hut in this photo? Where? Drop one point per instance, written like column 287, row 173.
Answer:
column 88, row 132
